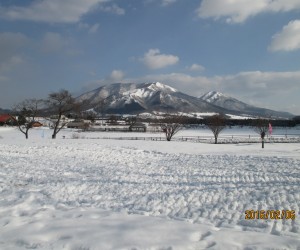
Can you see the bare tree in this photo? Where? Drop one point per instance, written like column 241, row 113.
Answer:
column 131, row 120
column 27, row 112
column 91, row 116
column 171, row 124
column 60, row 104
column 216, row 124
column 261, row 127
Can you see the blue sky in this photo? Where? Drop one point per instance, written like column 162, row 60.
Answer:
column 248, row 49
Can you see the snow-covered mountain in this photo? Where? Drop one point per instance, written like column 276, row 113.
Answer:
column 135, row 98
column 227, row 102
column 128, row 98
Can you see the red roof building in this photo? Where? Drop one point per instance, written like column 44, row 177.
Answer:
column 6, row 118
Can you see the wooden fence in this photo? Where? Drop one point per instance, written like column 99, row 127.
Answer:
column 225, row 139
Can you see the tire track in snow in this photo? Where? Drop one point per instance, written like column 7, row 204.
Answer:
column 198, row 188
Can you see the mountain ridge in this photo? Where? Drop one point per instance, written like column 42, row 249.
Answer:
column 129, row 98
column 231, row 103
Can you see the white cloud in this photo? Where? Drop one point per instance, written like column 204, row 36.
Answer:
column 288, row 38
column 154, row 60
column 264, row 89
column 54, row 11
column 196, row 67
column 114, row 8
column 237, row 11
column 116, row 75
column 257, row 82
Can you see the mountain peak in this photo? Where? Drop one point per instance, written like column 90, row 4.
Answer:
column 158, row 86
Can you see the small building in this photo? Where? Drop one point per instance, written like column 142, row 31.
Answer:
column 154, row 128
column 138, row 127
column 78, row 123
column 36, row 124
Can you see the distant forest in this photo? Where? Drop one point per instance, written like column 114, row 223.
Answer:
column 194, row 120
column 239, row 122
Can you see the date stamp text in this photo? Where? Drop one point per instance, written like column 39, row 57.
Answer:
column 270, row 214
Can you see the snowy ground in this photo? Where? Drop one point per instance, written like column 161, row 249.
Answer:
column 111, row 194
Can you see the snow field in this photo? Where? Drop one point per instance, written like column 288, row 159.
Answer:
column 193, row 188
column 118, row 195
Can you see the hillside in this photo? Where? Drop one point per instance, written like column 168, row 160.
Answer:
column 131, row 98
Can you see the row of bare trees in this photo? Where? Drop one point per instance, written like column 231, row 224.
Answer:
column 172, row 124
column 216, row 123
